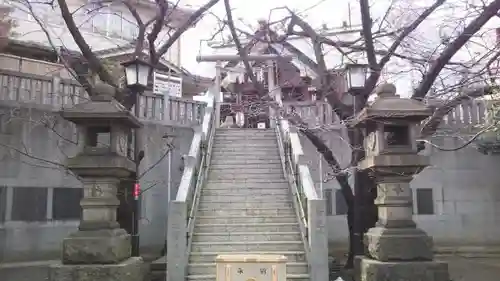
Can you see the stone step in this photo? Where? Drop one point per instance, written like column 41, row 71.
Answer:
column 246, row 212
column 243, row 220
column 289, row 277
column 217, row 148
column 250, row 181
column 237, row 197
column 251, row 154
column 254, row 133
column 245, row 236
column 244, row 246
column 245, row 161
column 225, row 159
column 246, row 227
column 243, row 139
column 241, row 205
column 248, row 144
column 209, row 257
column 249, row 170
column 253, row 186
column 247, row 166
column 246, row 135
column 243, row 190
column 210, row 268
column 244, row 176
column 244, row 130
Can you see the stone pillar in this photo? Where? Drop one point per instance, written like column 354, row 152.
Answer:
column 271, row 85
column 218, row 94
column 100, row 250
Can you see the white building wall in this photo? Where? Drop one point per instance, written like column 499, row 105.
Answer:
column 465, row 199
column 101, row 29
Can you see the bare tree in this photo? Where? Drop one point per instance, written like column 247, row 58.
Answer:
column 155, row 36
column 393, row 41
column 6, row 24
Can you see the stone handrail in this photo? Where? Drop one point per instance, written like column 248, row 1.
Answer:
column 181, row 212
column 52, row 93
column 310, row 208
column 315, row 113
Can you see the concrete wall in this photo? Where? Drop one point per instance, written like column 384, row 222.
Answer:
column 32, row 146
column 465, row 195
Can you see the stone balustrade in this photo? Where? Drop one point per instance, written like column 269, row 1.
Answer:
column 181, row 210
column 309, row 206
column 18, row 89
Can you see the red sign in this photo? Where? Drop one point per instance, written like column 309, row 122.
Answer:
column 137, row 191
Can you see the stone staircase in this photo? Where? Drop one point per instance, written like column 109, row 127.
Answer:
column 245, row 206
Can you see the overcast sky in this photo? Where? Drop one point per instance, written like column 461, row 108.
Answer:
column 333, row 13
column 317, row 12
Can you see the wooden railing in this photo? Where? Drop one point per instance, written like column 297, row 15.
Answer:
column 54, row 93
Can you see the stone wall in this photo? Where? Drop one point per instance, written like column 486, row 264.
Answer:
column 39, row 198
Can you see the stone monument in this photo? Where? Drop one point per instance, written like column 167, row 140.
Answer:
column 395, row 248
column 99, row 250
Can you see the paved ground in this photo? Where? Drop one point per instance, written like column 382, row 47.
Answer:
column 461, row 269
column 472, row 269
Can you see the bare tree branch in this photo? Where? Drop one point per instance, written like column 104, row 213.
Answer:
column 366, row 22
column 179, row 31
column 374, row 76
column 489, row 11
column 94, row 63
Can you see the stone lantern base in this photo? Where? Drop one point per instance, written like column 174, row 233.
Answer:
column 367, row 269
column 98, row 255
column 132, row 269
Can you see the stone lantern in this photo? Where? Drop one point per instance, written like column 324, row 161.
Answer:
column 100, row 250
column 395, row 248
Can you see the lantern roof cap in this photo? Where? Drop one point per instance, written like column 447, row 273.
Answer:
column 102, row 107
column 389, row 106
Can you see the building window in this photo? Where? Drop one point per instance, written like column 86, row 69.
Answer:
column 328, row 193
column 3, row 203
column 66, row 203
column 108, row 22
column 340, row 204
column 425, row 202
column 29, row 204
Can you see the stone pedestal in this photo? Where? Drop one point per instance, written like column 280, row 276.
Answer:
column 131, row 269
column 100, row 250
column 373, row 270
column 396, row 249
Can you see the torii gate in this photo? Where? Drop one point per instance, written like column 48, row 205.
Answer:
column 274, row 91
